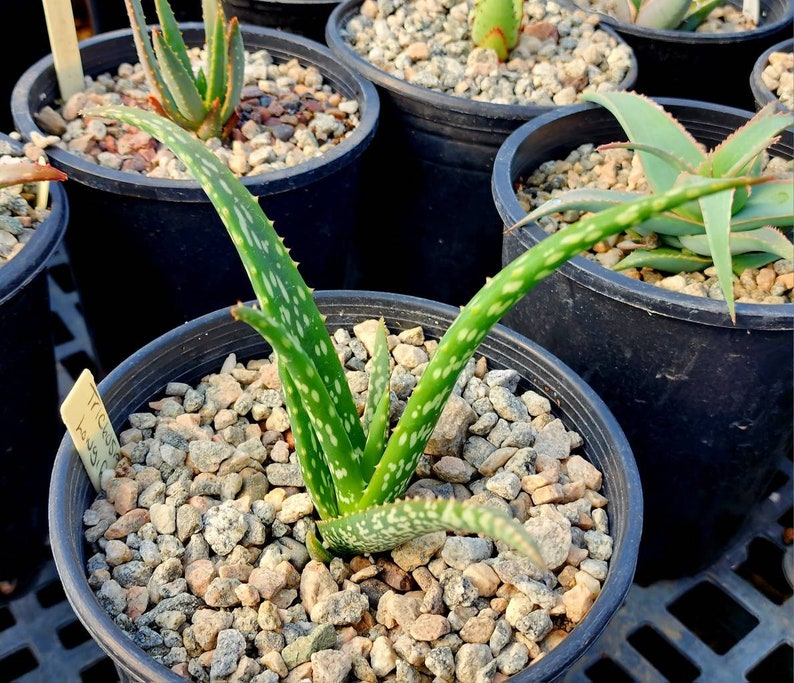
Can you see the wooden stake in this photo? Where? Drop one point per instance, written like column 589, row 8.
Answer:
column 63, row 44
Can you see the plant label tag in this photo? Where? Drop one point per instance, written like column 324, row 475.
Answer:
column 84, row 415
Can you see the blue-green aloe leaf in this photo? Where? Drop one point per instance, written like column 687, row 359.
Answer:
column 767, row 240
column 595, row 199
column 313, row 465
column 646, row 122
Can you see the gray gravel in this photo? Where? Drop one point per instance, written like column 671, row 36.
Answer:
column 19, row 216
column 199, row 555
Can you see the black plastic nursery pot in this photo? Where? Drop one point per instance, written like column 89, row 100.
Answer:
column 149, row 254
column 187, row 353
column 29, row 421
column 304, row 17
column 685, row 64
column 428, row 181
column 705, row 404
column 762, row 94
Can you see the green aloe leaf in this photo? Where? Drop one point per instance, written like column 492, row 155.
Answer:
column 646, row 122
column 235, row 77
column 217, row 51
column 716, row 211
column 389, row 525
column 171, row 33
column 594, row 199
column 178, row 81
column 768, row 240
column 740, row 153
column 770, row 204
column 314, row 467
column 666, row 260
column 662, row 14
column 753, row 260
column 308, row 393
column 376, row 411
column 698, row 11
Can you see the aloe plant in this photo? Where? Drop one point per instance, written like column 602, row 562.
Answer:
column 731, row 231
column 204, row 102
column 671, row 15
column 495, row 24
column 356, row 469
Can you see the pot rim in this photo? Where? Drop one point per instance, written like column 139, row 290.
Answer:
column 656, row 300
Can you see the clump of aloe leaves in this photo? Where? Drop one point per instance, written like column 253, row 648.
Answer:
column 355, row 469
column 671, row 15
column 731, row 231
column 197, row 99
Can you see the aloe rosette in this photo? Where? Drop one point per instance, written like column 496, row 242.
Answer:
column 731, row 231
column 199, row 100
column 356, row 469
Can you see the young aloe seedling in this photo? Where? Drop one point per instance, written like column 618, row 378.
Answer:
column 199, row 101
column 731, row 231
column 495, row 24
column 353, row 469
column 671, row 15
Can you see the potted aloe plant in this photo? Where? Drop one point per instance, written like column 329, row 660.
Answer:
column 355, row 461
column 34, row 213
column 702, row 386
column 454, row 81
column 168, row 244
column 719, row 36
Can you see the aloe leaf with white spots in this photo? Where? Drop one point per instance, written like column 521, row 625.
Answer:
column 376, row 411
column 362, row 513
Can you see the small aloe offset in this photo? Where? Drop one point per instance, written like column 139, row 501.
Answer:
column 731, row 231
column 204, row 102
column 355, row 469
column 495, row 24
